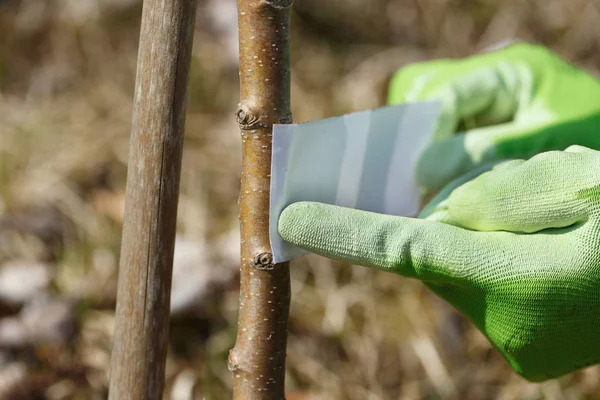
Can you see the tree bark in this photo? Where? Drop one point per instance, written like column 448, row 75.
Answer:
column 142, row 315
column 258, row 358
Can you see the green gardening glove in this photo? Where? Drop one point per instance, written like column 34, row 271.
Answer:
column 519, row 255
column 510, row 103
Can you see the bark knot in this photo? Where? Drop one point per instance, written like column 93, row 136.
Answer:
column 247, row 117
column 232, row 363
column 263, row 262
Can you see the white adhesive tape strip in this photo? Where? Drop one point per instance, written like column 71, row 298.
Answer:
column 364, row 160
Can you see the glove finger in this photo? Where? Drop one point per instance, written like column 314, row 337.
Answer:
column 409, row 81
column 422, row 249
column 449, row 159
column 474, row 93
column 437, row 208
column 543, row 192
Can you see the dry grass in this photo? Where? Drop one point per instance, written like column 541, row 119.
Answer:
column 66, row 77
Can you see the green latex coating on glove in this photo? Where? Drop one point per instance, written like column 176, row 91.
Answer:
column 519, row 255
column 505, row 104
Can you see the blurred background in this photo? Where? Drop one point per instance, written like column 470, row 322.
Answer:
column 67, row 69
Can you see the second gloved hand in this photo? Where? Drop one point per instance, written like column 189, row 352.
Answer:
column 519, row 255
column 505, row 104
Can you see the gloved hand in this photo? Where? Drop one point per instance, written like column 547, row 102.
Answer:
column 519, row 255
column 505, row 104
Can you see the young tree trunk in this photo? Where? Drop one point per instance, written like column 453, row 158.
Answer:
column 258, row 358
column 142, row 316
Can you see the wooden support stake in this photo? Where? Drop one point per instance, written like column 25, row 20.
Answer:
column 258, row 358
column 143, row 299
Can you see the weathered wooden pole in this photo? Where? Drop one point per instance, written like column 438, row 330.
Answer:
column 258, row 358
column 142, row 316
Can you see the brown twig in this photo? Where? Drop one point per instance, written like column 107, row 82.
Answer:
column 258, row 358
column 142, row 316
